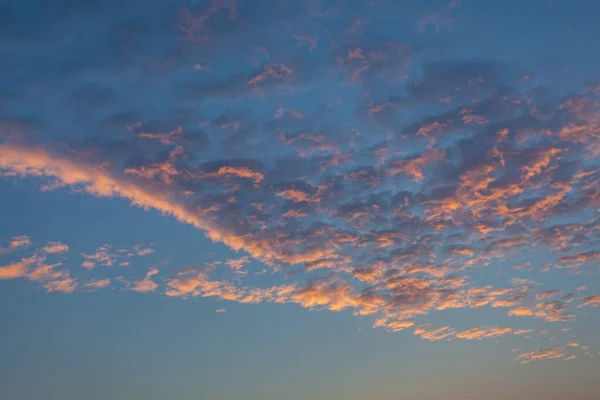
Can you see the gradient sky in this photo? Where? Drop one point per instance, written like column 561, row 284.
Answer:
column 299, row 200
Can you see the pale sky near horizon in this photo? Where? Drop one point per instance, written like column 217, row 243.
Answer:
column 299, row 200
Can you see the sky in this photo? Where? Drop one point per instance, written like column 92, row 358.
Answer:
column 317, row 199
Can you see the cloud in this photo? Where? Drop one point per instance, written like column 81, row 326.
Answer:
column 97, row 284
column 542, row 354
column 332, row 296
column 393, row 326
column 580, row 258
column 237, row 265
column 140, row 250
column 34, row 269
column 55, row 248
column 593, row 301
column 37, row 162
column 433, row 335
column 146, row 284
column 46, row 272
column 109, row 256
column 484, row 332
column 194, row 283
column 237, row 172
column 51, row 278
column 384, row 195
column 414, row 167
column 18, row 269
column 18, row 242
column 97, row 181
column 272, row 72
column 66, row 285
column 521, row 312
column 547, row 294
column 101, row 256
column 296, row 196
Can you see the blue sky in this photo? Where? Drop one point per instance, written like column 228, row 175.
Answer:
column 304, row 200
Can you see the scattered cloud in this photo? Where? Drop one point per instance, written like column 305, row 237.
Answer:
column 384, row 196
column 109, row 256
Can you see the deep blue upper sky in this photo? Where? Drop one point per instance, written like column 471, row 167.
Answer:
column 299, row 199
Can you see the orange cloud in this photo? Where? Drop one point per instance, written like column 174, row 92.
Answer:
column 194, row 283
column 239, row 172
column 296, row 196
column 393, row 291
column 55, row 248
column 415, row 166
column 97, row 284
column 593, row 301
column 540, row 164
column 165, row 170
column 433, row 335
column 547, row 294
column 238, row 265
column 294, row 214
column 508, row 302
column 142, row 251
column 522, row 331
column 95, row 180
column 18, row 269
column 34, row 269
column 543, row 354
column 483, row 332
column 66, row 285
column 45, row 272
column 146, row 284
column 580, row 258
column 332, row 296
column 167, row 138
column 102, row 256
column 19, row 242
column 521, row 312
column 52, row 280
column 434, row 127
column 393, row 326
